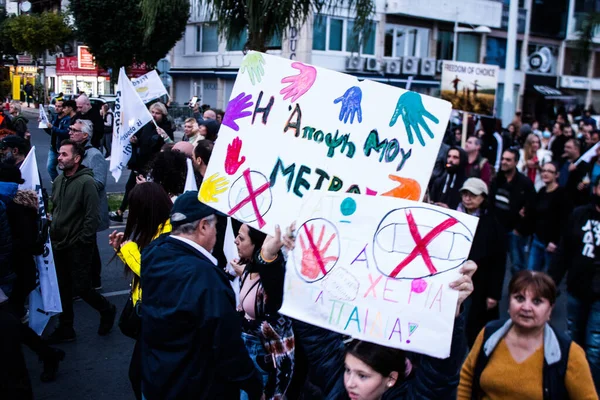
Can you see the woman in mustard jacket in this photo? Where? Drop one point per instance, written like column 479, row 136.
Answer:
column 149, row 210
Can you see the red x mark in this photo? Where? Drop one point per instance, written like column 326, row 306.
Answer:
column 421, row 243
column 252, row 195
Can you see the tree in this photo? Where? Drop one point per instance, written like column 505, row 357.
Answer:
column 586, row 36
column 6, row 47
column 265, row 19
column 35, row 34
column 117, row 36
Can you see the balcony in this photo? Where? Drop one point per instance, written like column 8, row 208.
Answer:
column 474, row 12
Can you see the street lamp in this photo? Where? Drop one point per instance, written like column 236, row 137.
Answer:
column 482, row 29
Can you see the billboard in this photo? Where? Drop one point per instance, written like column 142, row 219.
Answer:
column 470, row 87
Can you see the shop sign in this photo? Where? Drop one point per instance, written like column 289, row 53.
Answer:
column 85, row 59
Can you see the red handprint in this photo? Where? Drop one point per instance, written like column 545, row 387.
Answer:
column 314, row 259
column 232, row 160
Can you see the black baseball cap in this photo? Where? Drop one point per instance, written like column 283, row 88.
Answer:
column 188, row 208
column 15, row 142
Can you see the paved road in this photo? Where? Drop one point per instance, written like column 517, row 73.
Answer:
column 96, row 367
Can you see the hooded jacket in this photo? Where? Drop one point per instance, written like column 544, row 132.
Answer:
column 445, row 188
column 95, row 161
column 22, row 209
column 578, row 254
column 75, row 216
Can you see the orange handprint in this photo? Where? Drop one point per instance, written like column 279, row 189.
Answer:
column 314, row 255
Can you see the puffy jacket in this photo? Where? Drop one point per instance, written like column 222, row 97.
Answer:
column 131, row 256
column 75, row 215
column 431, row 378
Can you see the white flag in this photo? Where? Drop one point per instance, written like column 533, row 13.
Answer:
column 149, row 86
column 44, row 300
column 231, row 253
column 131, row 115
column 44, row 121
column 588, row 155
column 190, row 179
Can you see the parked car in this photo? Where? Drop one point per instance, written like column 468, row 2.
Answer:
column 97, row 102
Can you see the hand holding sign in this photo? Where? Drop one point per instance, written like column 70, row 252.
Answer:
column 299, row 84
column 233, row 161
column 350, row 104
column 253, row 63
column 410, row 107
column 213, row 186
column 236, row 110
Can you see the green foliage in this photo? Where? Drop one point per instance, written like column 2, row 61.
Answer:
column 35, row 34
column 265, row 19
column 115, row 30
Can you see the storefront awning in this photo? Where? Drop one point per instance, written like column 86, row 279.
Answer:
column 552, row 93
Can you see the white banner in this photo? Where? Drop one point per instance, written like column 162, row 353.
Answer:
column 588, row 155
column 131, row 115
column 44, row 121
column 44, row 300
column 190, row 179
column 149, row 86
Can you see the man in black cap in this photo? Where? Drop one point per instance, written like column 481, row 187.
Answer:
column 13, row 150
column 191, row 341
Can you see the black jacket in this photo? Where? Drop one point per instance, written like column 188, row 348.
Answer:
column 579, row 255
column 7, row 274
column 445, row 188
column 191, row 335
column 149, row 142
column 550, row 214
column 508, row 198
column 93, row 115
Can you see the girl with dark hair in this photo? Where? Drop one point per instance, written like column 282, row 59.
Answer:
column 149, row 210
column 268, row 335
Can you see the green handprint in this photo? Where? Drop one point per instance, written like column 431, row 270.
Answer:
column 410, row 106
column 253, row 63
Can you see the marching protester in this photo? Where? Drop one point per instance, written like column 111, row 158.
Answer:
column 444, row 190
column 191, row 131
column 572, row 173
column 524, row 357
column 81, row 132
column 58, row 132
column 14, row 149
column 108, row 118
column 511, row 199
column 578, row 257
column 86, row 111
column 202, row 153
column 149, row 210
column 550, row 212
column 169, row 169
column 532, row 158
column 477, row 166
column 488, row 251
column 145, row 144
column 560, row 135
column 18, row 122
column 73, row 232
column 191, row 342
column 70, row 110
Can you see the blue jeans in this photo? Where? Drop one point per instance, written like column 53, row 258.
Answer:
column 539, row 258
column 255, row 349
column 52, row 164
column 583, row 324
column 516, row 252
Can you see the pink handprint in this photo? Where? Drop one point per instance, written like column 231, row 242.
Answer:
column 314, row 259
column 236, row 110
column 299, row 84
column 232, row 160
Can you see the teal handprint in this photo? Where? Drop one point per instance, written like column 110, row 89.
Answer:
column 253, row 63
column 410, row 106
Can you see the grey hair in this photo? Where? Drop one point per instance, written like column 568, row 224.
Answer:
column 160, row 107
column 15, row 105
column 86, row 126
column 191, row 227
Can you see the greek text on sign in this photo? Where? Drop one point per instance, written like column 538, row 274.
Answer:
column 291, row 129
column 378, row 269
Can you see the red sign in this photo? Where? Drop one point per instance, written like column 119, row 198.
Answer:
column 85, row 59
column 69, row 66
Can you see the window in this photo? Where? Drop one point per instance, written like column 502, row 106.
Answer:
column 406, row 41
column 468, row 47
column 496, row 52
column 445, row 45
column 239, row 43
column 207, row 39
column 336, row 34
column 274, row 42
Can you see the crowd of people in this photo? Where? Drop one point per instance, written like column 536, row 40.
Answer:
column 204, row 328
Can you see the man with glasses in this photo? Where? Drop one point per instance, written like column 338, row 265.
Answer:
column 81, row 132
column 512, row 197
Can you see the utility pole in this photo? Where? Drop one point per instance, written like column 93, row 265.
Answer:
column 525, row 51
column 509, row 71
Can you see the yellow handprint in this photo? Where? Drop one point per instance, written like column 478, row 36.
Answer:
column 211, row 187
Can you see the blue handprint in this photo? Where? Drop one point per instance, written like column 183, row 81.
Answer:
column 410, row 106
column 350, row 104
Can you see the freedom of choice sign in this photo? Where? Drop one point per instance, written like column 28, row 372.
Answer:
column 293, row 132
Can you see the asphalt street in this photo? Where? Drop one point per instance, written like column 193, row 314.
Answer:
column 95, row 367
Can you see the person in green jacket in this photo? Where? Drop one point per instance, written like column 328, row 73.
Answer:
column 75, row 219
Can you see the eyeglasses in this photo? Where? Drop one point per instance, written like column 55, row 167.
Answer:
column 75, row 130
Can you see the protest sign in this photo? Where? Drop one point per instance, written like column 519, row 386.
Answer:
column 378, row 269
column 44, row 121
column 44, row 300
column 291, row 128
column 149, row 86
column 470, row 87
column 131, row 115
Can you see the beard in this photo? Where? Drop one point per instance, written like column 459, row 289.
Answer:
column 8, row 158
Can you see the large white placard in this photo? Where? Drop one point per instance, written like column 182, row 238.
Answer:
column 291, row 128
column 378, row 269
